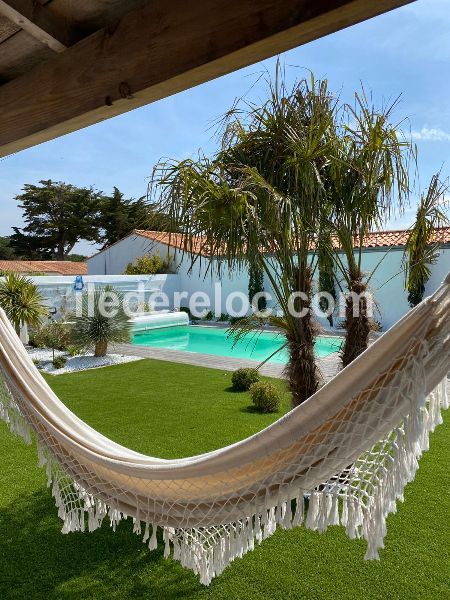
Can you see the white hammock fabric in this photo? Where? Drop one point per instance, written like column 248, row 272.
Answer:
column 375, row 415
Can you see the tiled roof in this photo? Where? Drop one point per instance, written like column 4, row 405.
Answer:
column 375, row 239
column 170, row 239
column 399, row 237
column 48, row 267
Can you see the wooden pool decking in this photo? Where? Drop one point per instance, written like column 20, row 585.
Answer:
column 328, row 365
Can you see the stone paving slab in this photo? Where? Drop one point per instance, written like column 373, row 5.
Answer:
column 328, row 365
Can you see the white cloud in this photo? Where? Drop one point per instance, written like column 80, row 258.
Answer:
column 428, row 134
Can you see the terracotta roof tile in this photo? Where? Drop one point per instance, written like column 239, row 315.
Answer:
column 375, row 239
column 174, row 240
column 381, row 239
column 49, row 267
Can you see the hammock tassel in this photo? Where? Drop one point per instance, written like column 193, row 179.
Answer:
column 153, row 543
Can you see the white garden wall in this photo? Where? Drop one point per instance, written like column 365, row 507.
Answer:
column 114, row 260
column 59, row 293
column 387, row 283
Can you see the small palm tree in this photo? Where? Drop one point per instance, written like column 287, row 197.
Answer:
column 368, row 171
column 422, row 247
column 101, row 322
column 21, row 301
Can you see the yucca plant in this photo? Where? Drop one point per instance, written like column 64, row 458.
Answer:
column 422, row 246
column 98, row 322
column 21, row 301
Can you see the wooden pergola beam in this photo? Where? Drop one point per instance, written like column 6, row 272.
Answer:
column 159, row 50
column 39, row 21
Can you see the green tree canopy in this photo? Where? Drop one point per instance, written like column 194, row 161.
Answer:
column 6, row 249
column 119, row 216
column 76, row 257
column 57, row 215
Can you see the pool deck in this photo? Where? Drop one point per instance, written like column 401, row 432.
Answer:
column 328, row 365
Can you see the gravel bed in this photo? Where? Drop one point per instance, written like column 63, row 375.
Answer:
column 76, row 363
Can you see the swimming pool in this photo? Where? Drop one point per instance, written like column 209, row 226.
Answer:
column 214, row 340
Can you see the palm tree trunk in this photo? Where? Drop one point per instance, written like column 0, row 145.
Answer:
column 101, row 348
column 357, row 321
column 301, row 371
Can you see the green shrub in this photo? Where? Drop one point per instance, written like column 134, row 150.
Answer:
column 243, row 379
column 265, row 397
column 36, row 362
column 55, row 335
column 59, row 362
column 209, row 316
column 73, row 350
column 149, row 265
column 223, row 317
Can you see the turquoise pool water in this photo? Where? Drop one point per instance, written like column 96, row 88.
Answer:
column 212, row 340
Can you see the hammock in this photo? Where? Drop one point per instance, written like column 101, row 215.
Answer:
column 375, row 415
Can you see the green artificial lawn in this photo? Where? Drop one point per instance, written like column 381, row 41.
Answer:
column 173, row 410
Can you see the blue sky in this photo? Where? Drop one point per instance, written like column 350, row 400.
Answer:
column 406, row 51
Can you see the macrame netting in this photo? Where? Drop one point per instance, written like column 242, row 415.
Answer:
column 343, row 457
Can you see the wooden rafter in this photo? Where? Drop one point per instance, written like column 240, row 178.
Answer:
column 39, row 21
column 159, row 50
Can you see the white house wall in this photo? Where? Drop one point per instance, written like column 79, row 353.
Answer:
column 114, row 260
column 387, row 283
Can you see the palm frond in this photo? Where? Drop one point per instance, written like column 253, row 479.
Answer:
column 22, row 301
column 422, row 247
column 97, row 323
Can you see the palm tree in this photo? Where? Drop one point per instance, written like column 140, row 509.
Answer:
column 422, row 246
column 327, row 268
column 21, row 301
column 368, row 170
column 100, row 324
column 259, row 200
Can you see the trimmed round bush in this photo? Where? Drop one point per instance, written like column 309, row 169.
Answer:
column 243, row 379
column 265, row 397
